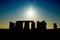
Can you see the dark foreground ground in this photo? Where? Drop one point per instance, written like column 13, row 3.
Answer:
column 47, row 34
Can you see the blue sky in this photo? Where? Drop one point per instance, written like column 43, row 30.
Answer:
column 9, row 10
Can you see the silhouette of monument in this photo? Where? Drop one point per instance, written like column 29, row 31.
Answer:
column 26, row 27
column 55, row 26
column 44, row 25
column 26, row 33
column 33, row 26
column 38, row 26
column 41, row 26
column 11, row 26
column 19, row 26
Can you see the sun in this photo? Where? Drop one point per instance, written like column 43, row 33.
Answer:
column 30, row 12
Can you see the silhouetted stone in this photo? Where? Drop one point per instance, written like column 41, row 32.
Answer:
column 41, row 26
column 33, row 26
column 19, row 26
column 55, row 26
column 11, row 26
column 38, row 26
column 26, row 25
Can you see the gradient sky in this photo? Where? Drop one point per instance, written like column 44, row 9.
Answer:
column 14, row 10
